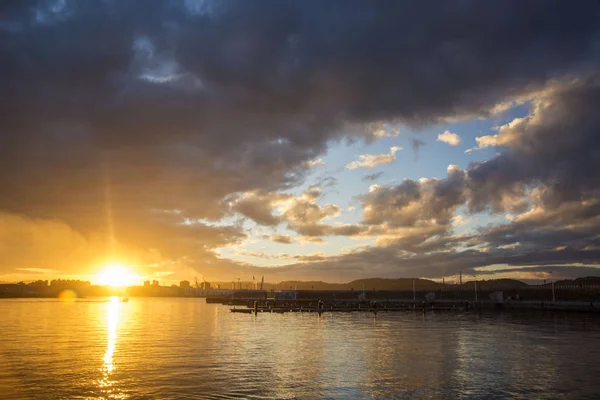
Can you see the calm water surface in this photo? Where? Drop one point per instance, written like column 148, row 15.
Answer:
column 185, row 349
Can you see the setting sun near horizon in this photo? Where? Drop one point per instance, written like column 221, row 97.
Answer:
column 116, row 275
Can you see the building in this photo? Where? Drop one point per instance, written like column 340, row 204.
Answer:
column 184, row 284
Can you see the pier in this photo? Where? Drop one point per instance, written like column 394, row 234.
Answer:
column 314, row 301
column 334, row 308
column 445, row 306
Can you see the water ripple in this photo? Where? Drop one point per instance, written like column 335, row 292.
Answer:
column 186, row 349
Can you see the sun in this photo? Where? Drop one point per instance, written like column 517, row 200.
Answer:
column 116, row 275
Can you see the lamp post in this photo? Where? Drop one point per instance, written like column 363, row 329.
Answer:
column 414, row 292
column 475, row 287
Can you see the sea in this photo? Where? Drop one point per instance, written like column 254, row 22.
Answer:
column 183, row 348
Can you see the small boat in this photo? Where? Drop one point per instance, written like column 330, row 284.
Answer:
column 241, row 310
column 125, row 299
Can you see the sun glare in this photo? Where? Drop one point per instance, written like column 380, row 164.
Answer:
column 116, row 275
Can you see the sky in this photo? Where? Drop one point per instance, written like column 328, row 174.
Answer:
column 299, row 140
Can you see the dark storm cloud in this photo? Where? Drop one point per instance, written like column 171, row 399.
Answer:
column 164, row 105
column 557, row 146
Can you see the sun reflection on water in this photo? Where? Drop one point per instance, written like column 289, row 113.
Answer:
column 112, row 323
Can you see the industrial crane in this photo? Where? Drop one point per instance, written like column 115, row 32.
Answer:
column 203, row 285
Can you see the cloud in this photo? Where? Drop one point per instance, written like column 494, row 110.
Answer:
column 549, row 155
column 546, row 170
column 433, row 254
column 304, row 216
column 548, row 159
column 416, row 144
column 459, row 220
column 191, row 105
column 411, row 203
column 311, row 239
column 449, row 138
column 312, row 193
column 258, row 207
column 327, row 181
column 381, row 129
column 371, row 160
column 285, row 239
column 315, row 163
column 492, row 140
column 29, row 244
column 372, row 177
column 297, row 257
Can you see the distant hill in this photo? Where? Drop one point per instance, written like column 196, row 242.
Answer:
column 380, row 284
column 369, row 284
column 395, row 284
column 498, row 284
column 588, row 280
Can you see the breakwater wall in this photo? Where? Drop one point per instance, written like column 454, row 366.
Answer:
column 514, row 299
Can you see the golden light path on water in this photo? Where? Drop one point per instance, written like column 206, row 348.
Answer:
column 113, row 307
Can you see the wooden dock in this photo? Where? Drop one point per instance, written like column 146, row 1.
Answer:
column 404, row 306
column 375, row 310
